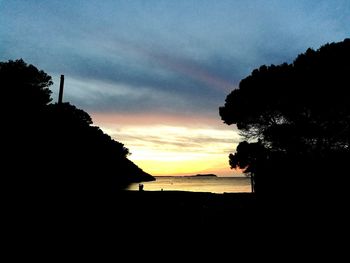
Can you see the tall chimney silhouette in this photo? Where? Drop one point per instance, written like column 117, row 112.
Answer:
column 60, row 95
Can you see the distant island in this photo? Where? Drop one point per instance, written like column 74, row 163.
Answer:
column 203, row 175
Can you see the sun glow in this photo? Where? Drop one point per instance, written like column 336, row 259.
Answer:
column 167, row 148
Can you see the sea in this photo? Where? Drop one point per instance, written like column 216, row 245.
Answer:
column 197, row 184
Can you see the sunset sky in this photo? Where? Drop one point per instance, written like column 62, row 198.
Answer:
column 152, row 73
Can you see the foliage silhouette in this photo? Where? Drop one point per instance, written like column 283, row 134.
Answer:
column 24, row 86
column 53, row 149
column 295, row 119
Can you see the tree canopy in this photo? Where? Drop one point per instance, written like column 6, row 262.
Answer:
column 24, row 86
column 54, row 148
column 299, row 113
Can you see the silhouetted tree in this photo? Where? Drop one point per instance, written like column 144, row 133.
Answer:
column 23, row 86
column 53, row 149
column 300, row 113
column 249, row 156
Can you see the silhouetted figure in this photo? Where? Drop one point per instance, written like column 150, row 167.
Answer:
column 140, row 187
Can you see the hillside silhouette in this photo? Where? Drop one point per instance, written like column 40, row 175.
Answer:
column 52, row 149
column 295, row 120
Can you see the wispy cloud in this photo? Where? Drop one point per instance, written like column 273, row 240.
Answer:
column 147, row 69
column 172, row 147
column 191, row 54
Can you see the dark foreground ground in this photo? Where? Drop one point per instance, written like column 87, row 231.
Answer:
column 178, row 208
column 156, row 209
column 151, row 219
column 145, row 212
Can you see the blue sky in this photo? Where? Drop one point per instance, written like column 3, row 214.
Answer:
column 162, row 58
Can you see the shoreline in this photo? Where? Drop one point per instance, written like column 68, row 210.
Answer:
column 196, row 184
column 187, row 192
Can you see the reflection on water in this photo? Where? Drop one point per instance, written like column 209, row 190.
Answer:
column 197, row 184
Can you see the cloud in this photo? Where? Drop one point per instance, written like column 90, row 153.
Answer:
column 194, row 139
column 153, row 73
column 176, row 56
column 98, row 96
column 181, row 143
column 169, row 149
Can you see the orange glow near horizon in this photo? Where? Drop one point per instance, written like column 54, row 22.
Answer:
column 173, row 145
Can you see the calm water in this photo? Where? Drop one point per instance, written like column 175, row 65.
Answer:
column 197, row 184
